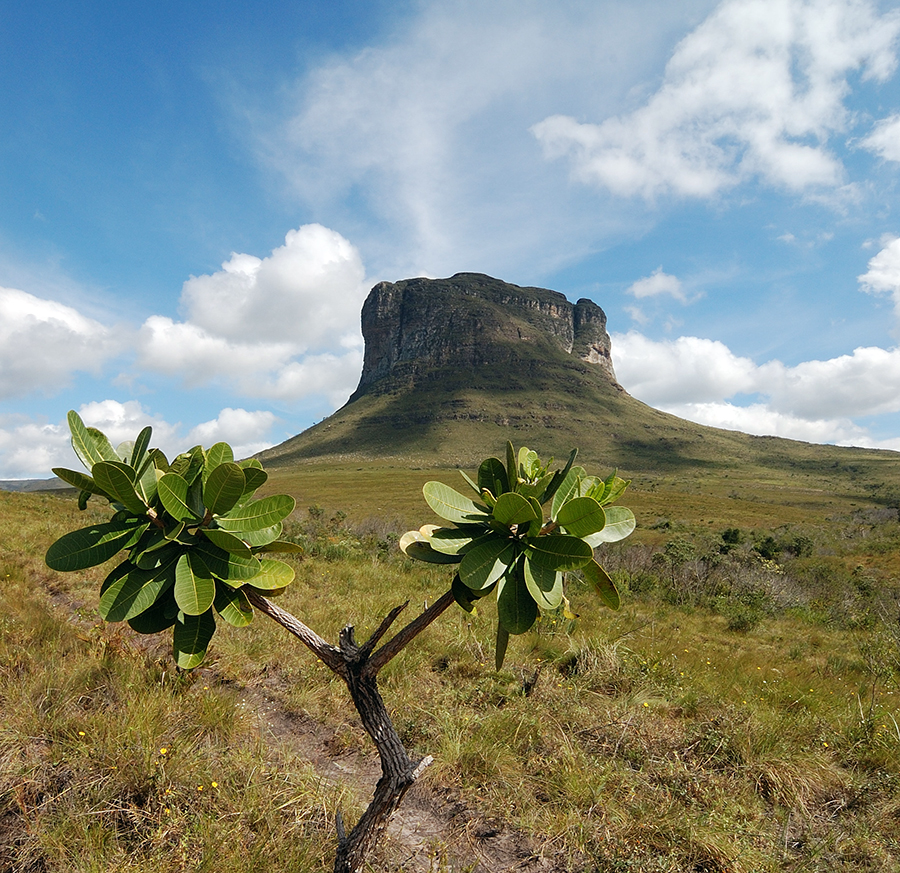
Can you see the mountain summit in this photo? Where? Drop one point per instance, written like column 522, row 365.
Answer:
column 417, row 329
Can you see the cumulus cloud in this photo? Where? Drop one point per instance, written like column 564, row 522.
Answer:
column 42, row 343
column 658, row 283
column 885, row 139
column 756, row 90
column 883, row 275
column 307, row 293
column 700, row 379
column 285, row 326
column 246, row 432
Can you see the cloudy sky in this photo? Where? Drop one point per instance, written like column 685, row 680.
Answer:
column 196, row 197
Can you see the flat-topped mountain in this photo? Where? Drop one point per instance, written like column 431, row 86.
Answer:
column 416, row 329
column 455, row 367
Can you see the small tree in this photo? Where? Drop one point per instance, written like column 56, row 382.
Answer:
column 196, row 546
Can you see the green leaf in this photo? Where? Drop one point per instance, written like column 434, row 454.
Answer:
column 558, row 478
column 558, row 552
column 273, row 575
column 228, row 541
column 535, row 489
column 529, row 463
column 103, row 445
column 582, row 516
column 219, row 453
column 615, row 488
column 224, row 487
column 465, row 596
column 567, row 489
column 512, row 508
column 259, row 538
column 224, row 565
column 516, row 609
column 449, row 540
column 117, row 480
column 605, row 587
column 620, row 523
column 156, row 618
column 512, row 468
column 137, row 590
column 450, row 504
column 82, row 441
column 173, row 492
column 151, row 540
column 94, row 545
column 189, row 464
column 191, row 637
column 535, row 527
column 233, row 606
column 258, row 514
column 486, row 563
column 414, row 544
column 502, row 643
column 544, row 585
column 146, row 483
column 492, row 475
column 280, row 546
column 468, row 479
column 80, row 480
column 195, row 588
column 140, row 447
column 254, row 478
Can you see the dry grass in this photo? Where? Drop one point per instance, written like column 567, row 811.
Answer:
column 652, row 739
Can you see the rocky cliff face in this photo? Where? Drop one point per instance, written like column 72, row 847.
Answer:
column 417, row 327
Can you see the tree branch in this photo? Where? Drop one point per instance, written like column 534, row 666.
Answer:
column 407, row 634
column 329, row 654
column 366, row 649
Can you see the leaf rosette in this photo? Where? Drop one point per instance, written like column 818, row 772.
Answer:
column 192, row 533
column 524, row 531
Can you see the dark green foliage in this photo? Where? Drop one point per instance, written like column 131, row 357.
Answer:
column 503, row 544
column 193, row 536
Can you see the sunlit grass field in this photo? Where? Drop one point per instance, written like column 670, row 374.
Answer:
column 739, row 713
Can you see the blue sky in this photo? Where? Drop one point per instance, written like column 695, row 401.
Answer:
column 196, row 198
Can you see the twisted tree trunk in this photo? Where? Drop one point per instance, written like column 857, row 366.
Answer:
column 358, row 666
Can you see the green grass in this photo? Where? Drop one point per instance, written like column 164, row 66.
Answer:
column 652, row 739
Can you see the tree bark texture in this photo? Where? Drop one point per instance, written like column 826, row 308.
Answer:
column 358, row 666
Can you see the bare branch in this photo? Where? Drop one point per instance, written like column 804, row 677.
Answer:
column 369, row 645
column 407, row 634
column 330, row 655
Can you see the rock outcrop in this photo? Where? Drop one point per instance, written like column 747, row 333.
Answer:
column 415, row 328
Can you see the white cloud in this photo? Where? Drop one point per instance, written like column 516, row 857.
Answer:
column 759, row 419
column 252, row 325
column 685, row 370
column 426, row 133
column 30, row 449
column 42, row 343
column 246, row 432
column 814, row 400
column 883, row 275
column 307, row 293
column 658, row 283
column 755, row 91
column 885, row 139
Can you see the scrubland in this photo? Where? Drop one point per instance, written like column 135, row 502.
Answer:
column 739, row 713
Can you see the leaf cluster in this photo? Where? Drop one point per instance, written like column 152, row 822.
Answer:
column 195, row 539
column 527, row 528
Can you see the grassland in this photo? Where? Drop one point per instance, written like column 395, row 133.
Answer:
column 739, row 713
